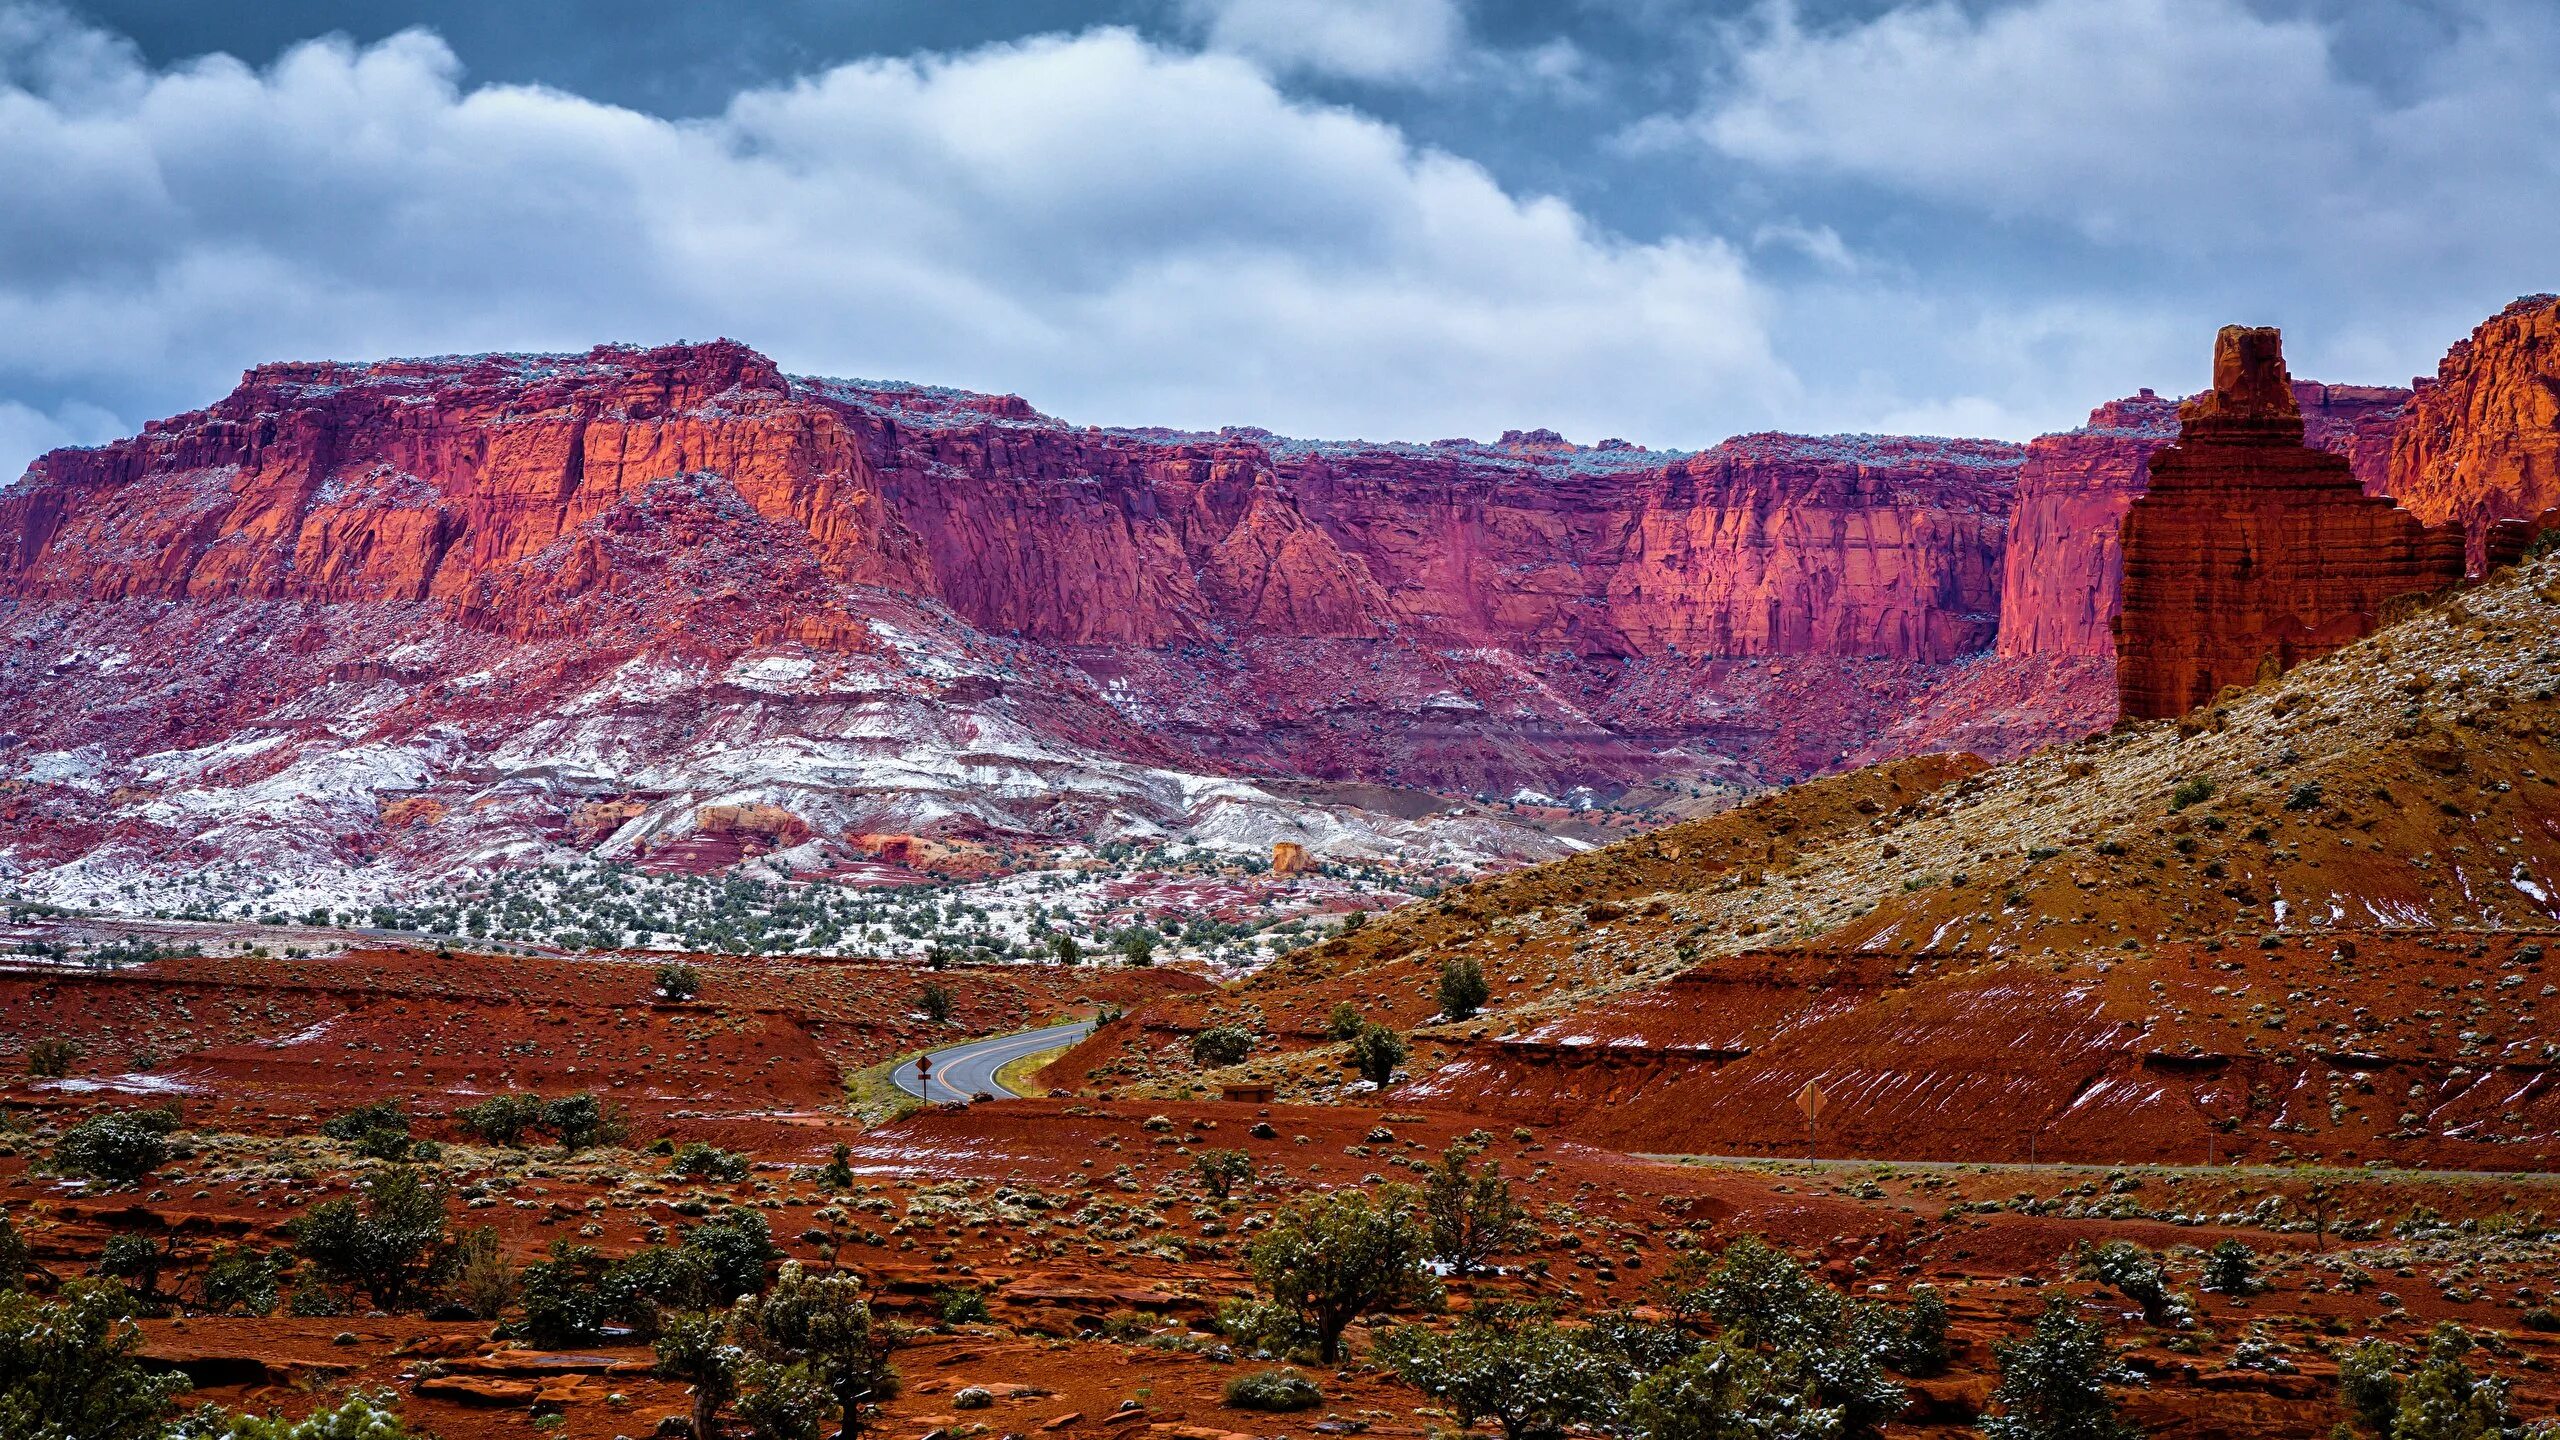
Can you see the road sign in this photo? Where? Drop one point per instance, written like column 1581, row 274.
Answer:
column 1810, row 1099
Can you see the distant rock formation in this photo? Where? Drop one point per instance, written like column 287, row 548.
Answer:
column 2482, row 443
column 2064, row 570
column 2251, row 551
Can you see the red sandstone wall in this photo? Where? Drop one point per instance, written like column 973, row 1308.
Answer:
column 2482, row 443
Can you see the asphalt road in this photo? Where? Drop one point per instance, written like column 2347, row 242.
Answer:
column 968, row 1069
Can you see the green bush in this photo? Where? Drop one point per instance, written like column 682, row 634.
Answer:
column 117, row 1147
column 390, row 1247
column 2136, row 1273
column 242, row 1280
column 1334, row 1258
column 2053, row 1383
column 52, row 1057
column 700, row 1161
column 935, row 1002
column 1471, row 1211
column 1220, row 1046
column 15, row 1257
column 1275, row 1390
column 2231, row 1269
column 960, row 1305
column 1924, row 1349
column 503, row 1119
column 1532, row 1377
column 360, row 1416
column 1463, row 991
column 135, row 1259
column 822, row 1326
column 679, row 981
column 581, row 1120
column 69, row 1368
column 2194, row 790
column 1376, row 1053
column 2305, row 796
column 1731, row 1392
column 1263, row 1327
column 1344, row 1023
column 1220, row 1171
column 379, row 1131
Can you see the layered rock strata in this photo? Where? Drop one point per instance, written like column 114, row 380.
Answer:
column 2250, row 551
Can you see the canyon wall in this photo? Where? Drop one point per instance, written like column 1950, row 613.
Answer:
column 2250, row 551
column 2482, row 443
column 2064, row 571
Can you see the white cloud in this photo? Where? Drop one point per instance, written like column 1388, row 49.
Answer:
column 26, row 432
column 1371, row 40
column 2196, row 127
column 1121, row 232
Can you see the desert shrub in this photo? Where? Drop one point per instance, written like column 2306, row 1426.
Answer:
column 1344, row 1023
column 360, row 1416
column 390, row 1247
column 821, row 1325
column 1275, row 1390
column 1730, row 1392
column 1762, row 1300
column 2136, row 1273
column 2305, row 796
column 679, row 981
column 700, row 1161
column 1532, row 1377
column 1221, row 1171
column 134, row 1259
column 52, row 1057
column 477, row 1277
column 503, row 1119
column 1471, row 1212
column 1376, row 1052
column 1221, row 1045
column 1263, row 1327
column 935, row 1002
column 735, row 1251
column 69, row 1368
column 782, row 1402
column 2231, row 1269
column 117, row 1147
column 2194, row 790
column 960, row 1305
column 2443, row 1398
column 2369, row 1385
column 1334, row 1258
column 239, row 1279
column 1463, row 990
column 695, row 1349
column 15, row 1257
column 379, row 1131
column 1137, row 946
column 2053, row 1383
column 1923, row 1349
column 581, row 1120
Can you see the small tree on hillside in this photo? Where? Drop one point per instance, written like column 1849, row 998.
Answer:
column 1377, row 1051
column 696, row 1350
column 935, row 1002
column 1344, row 1023
column 822, row 1322
column 1220, row 1046
column 389, row 1247
column 1138, row 945
column 69, row 1369
column 1471, row 1212
column 2053, row 1384
column 1334, row 1258
column 679, row 981
column 1532, row 1377
column 1463, row 990
column 118, row 1147
column 581, row 1120
column 1220, row 1171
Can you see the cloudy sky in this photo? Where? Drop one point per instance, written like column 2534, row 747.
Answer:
column 1669, row 220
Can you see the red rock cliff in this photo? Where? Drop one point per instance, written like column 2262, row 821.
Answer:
column 2251, row 551
column 2064, row 572
column 2482, row 444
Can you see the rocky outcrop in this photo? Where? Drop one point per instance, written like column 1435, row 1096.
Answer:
column 2482, row 443
column 2250, row 551
column 2064, row 570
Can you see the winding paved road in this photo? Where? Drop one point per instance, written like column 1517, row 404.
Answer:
column 968, row 1069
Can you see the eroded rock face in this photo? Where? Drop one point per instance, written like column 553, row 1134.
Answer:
column 2064, row 571
column 2482, row 444
column 588, row 603
column 2250, row 551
